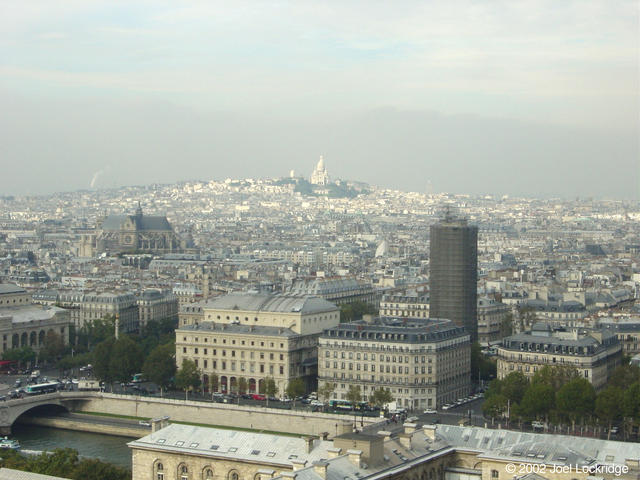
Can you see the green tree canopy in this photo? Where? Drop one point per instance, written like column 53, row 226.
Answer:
column 243, row 385
column 353, row 394
column 160, row 365
column 380, row 397
column 537, row 402
column 126, row 359
column 295, row 388
column 555, row 376
column 188, row 376
column 608, row 403
column 22, row 355
column 102, row 360
column 625, row 375
column 495, row 406
column 513, row 387
column 326, row 390
column 54, row 346
column 576, row 399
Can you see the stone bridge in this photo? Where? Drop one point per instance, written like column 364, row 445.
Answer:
column 220, row 414
column 10, row 410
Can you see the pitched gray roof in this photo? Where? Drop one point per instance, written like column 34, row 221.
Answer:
column 143, row 222
column 11, row 474
column 6, row 288
column 219, row 443
column 256, row 302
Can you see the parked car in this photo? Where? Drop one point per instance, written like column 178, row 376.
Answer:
column 537, row 424
column 447, row 406
column 258, row 396
column 430, row 410
column 317, row 403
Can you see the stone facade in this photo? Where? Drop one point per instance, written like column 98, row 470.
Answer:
column 422, row 363
column 594, row 353
column 254, row 336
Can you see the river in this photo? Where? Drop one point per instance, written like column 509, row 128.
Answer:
column 107, row 448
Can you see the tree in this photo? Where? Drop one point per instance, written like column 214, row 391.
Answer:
column 482, row 368
column 270, row 388
column 188, row 376
column 576, row 400
column 102, row 360
column 295, row 388
column 381, row 397
column 243, row 385
column 555, row 376
column 24, row 355
column 608, row 403
column 625, row 375
column 160, row 365
column 325, row 391
column 495, row 406
column 353, row 395
column 537, row 402
column 631, row 406
column 355, row 311
column 53, row 346
column 214, row 382
column 514, row 386
column 126, row 359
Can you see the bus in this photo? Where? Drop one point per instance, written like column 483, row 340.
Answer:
column 137, row 378
column 42, row 388
column 346, row 405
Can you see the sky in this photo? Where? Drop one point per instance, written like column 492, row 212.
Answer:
column 528, row 98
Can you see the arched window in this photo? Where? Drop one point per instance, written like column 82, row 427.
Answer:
column 233, row 475
column 208, row 474
column 495, row 474
column 159, row 471
column 183, row 472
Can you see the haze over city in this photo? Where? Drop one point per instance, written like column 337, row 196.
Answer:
column 520, row 98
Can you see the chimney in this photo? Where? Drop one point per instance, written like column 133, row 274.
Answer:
column 355, row 456
column 333, row 452
column 320, row 468
column 429, row 432
column 410, row 428
column 385, row 434
column 298, row 464
column 324, row 435
column 265, row 474
column 159, row 423
column 309, row 441
column 405, row 440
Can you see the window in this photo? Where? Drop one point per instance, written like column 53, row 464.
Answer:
column 233, row 475
column 208, row 474
column 494, row 474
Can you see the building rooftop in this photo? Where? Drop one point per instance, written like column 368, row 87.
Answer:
column 232, row 444
column 7, row 288
column 260, row 302
column 239, row 329
column 30, row 313
column 400, row 330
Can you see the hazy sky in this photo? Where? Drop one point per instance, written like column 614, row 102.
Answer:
column 537, row 98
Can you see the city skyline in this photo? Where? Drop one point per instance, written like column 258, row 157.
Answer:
column 527, row 98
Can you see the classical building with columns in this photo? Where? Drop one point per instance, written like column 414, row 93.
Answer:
column 254, row 336
column 25, row 324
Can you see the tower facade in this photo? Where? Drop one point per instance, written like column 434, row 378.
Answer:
column 454, row 272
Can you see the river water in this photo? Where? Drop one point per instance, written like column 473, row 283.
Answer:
column 107, row 448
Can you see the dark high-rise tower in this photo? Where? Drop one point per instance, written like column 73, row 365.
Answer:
column 454, row 271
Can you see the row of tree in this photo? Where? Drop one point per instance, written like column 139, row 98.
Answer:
column 63, row 462
column 560, row 395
